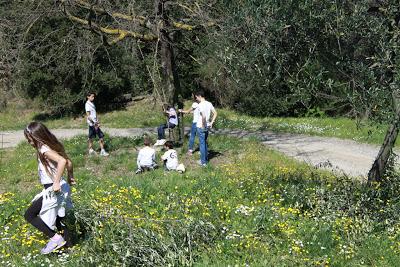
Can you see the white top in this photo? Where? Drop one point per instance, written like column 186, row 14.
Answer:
column 172, row 117
column 172, row 159
column 205, row 109
column 196, row 113
column 146, row 156
column 43, row 175
column 90, row 107
column 54, row 205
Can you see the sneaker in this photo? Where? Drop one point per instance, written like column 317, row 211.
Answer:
column 160, row 142
column 201, row 164
column 190, row 152
column 92, row 152
column 104, row 153
column 53, row 245
column 138, row 171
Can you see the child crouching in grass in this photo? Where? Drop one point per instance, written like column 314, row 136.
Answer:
column 146, row 159
column 170, row 158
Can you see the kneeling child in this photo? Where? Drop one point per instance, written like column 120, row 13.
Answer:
column 146, row 159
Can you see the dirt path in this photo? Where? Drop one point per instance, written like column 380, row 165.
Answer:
column 343, row 156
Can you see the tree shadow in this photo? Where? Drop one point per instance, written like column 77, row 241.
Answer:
column 79, row 111
column 47, row 116
column 213, row 154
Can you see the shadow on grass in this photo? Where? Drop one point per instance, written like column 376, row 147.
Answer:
column 48, row 116
column 79, row 111
column 213, row 154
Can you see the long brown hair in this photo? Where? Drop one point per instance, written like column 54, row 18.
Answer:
column 40, row 135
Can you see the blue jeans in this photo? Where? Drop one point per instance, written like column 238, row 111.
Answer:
column 193, row 131
column 161, row 129
column 203, row 135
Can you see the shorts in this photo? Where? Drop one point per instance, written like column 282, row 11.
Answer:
column 93, row 132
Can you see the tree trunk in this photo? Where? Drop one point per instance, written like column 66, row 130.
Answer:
column 380, row 164
column 170, row 81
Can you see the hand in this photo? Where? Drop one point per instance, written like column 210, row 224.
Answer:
column 56, row 187
column 180, row 110
column 210, row 125
column 71, row 181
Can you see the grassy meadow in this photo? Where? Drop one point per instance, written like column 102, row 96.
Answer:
column 250, row 207
column 147, row 113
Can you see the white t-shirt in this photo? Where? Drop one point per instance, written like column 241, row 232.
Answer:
column 43, row 175
column 196, row 113
column 205, row 109
column 90, row 107
column 172, row 117
column 146, row 156
column 172, row 159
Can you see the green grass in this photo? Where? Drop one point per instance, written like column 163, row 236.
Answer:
column 140, row 114
column 146, row 113
column 252, row 206
column 344, row 128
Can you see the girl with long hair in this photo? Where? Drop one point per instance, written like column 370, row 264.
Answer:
column 47, row 209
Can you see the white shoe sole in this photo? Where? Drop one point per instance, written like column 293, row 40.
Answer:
column 56, row 248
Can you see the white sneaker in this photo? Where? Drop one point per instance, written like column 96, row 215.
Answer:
column 53, row 245
column 160, row 142
column 92, row 152
column 104, row 153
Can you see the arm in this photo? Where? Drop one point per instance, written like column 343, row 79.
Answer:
column 214, row 112
column 70, row 171
column 61, row 164
column 139, row 157
column 170, row 112
column 88, row 117
column 186, row 111
column 203, row 119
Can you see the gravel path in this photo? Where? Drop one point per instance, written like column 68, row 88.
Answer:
column 342, row 156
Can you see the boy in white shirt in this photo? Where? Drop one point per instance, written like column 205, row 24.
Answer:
column 146, row 159
column 195, row 110
column 204, row 123
column 94, row 125
column 172, row 122
column 170, row 157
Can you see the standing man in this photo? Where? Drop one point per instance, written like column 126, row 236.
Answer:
column 94, row 125
column 204, row 124
column 193, row 129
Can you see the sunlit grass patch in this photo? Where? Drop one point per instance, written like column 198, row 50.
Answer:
column 250, row 206
column 344, row 128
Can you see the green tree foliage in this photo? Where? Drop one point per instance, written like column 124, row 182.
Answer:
column 58, row 63
column 266, row 57
column 287, row 57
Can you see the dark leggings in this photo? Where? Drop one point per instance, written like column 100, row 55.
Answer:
column 32, row 216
